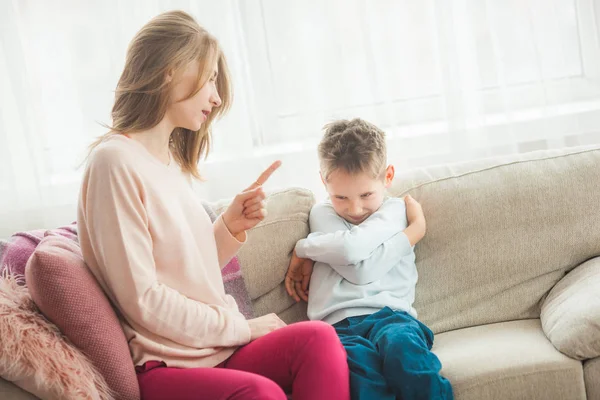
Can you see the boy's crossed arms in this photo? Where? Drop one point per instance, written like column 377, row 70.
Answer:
column 361, row 254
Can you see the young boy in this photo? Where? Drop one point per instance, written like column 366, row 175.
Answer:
column 364, row 275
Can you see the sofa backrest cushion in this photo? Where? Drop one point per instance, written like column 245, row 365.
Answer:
column 501, row 232
column 265, row 257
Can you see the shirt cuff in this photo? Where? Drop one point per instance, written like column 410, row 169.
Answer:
column 243, row 329
column 300, row 248
column 405, row 246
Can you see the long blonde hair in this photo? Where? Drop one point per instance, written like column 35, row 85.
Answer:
column 168, row 42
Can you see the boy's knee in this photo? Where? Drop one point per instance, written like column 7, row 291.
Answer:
column 404, row 338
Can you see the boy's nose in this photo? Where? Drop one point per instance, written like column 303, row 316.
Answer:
column 355, row 209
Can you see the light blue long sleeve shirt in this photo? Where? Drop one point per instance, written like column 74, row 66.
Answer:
column 359, row 269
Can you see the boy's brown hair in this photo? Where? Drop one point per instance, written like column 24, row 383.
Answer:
column 356, row 146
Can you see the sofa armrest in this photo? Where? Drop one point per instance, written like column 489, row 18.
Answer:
column 570, row 313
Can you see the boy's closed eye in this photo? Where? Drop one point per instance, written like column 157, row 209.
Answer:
column 364, row 196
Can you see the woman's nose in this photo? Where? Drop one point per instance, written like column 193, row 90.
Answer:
column 215, row 99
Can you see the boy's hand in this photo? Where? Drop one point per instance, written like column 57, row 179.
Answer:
column 297, row 277
column 248, row 208
column 416, row 220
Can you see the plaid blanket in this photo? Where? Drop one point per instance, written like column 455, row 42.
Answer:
column 233, row 279
column 16, row 250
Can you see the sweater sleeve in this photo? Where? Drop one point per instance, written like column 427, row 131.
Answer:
column 116, row 219
column 381, row 261
column 227, row 244
column 334, row 242
column 361, row 254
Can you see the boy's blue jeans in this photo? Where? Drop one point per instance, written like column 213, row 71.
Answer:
column 389, row 355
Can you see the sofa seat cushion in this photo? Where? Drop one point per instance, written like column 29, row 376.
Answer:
column 8, row 390
column 508, row 360
column 591, row 373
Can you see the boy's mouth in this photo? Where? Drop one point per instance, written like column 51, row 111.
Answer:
column 357, row 219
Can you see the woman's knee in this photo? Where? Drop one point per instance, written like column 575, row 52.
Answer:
column 319, row 331
column 316, row 328
column 322, row 340
column 259, row 388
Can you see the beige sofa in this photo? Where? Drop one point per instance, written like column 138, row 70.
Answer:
column 501, row 234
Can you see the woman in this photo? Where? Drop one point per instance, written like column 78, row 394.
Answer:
column 147, row 239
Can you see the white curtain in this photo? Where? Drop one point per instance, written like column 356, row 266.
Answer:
column 448, row 80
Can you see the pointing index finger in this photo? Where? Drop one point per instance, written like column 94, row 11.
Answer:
column 265, row 175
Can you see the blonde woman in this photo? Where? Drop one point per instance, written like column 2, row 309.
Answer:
column 147, row 239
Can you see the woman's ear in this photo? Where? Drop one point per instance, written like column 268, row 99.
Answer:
column 389, row 175
column 169, row 76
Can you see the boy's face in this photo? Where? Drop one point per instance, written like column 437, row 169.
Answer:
column 355, row 197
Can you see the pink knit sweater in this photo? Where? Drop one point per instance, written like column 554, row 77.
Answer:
column 146, row 237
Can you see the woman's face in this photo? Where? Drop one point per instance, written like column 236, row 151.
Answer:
column 193, row 112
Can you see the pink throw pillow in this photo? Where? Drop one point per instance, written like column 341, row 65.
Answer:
column 68, row 294
column 36, row 357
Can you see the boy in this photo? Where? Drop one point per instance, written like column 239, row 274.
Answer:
column 364, row 275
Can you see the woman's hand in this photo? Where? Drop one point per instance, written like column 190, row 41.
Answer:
column 261, row 326
column 248, row 208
